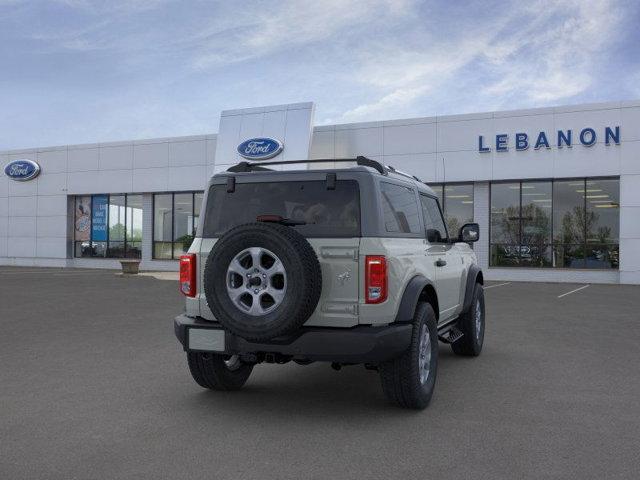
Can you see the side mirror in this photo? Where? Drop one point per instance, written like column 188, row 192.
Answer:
column 470, row 232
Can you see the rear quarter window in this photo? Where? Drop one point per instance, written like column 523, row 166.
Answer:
column 400, row 208
column 325, row 213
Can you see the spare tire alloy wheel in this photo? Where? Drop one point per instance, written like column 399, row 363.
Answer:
column 256, row 281
column 262, row 280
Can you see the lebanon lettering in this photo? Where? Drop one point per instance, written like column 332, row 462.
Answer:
column 562, row 139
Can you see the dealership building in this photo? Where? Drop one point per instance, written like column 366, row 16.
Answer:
column 556, row 190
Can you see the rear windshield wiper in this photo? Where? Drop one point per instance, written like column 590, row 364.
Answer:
column 279, row 219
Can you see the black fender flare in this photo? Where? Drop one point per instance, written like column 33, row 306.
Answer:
column 473, row 276
column 410, row 298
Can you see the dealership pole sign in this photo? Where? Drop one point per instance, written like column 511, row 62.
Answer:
column 586, row 137
column 22, row 170
column 260, row 148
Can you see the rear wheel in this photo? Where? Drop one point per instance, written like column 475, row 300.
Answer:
column 218, row 372
column 409, row 380
column 471, row 323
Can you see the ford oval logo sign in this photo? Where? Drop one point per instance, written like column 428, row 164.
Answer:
column 22, row 170
column 260, row 148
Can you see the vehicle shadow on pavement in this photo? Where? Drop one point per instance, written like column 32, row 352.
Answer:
column 285, row 390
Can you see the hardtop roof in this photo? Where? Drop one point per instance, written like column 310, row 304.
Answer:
column 364, row 165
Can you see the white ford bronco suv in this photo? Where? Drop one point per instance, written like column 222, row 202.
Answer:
column 345, row 265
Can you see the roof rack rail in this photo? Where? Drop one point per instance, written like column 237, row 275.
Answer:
column 404, row 174
column 262, row 166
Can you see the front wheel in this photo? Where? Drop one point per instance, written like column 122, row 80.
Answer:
column 409, row 380
column 471, row 324
column 218, row 372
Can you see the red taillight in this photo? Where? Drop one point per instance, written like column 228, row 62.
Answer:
column 188, row 274
column 375, row 279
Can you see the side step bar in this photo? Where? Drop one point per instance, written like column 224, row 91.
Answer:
column 449, row 332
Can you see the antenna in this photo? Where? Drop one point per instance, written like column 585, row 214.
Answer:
column 444, row 171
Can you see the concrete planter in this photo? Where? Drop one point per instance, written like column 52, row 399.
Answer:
column 129, row 266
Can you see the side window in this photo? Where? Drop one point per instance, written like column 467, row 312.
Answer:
column 434, row 223
column 400, row 208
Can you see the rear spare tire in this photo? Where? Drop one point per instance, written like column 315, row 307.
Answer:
column 262, row 280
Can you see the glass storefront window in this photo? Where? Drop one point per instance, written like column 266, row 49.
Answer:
column 569, row 223
column 183, row 230
column 505, row 224
column 134, row 226
column 603, row 223
column 162, row 225
column 458, row 206
column 456, row 201
column 563, row 224
column 197, row 208
column 175, row 220
column 535, row 249
column 117, row 220
column 108, row 226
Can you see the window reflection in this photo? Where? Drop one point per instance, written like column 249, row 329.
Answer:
column 175, row 218
column 108, row 226
column 182, row 223
column 536, row 201
column 564, row 224
column 197, row 208
column 603, row 223
column 117, row 218
column 569, row 223
column 505, row 224
column 456, row 201
column 134, row 226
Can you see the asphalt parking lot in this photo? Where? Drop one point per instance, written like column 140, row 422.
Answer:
column 93, row 385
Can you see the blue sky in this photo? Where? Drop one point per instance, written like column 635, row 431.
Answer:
column 76, row 71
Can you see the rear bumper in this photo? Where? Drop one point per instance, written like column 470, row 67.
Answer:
column 361, row 344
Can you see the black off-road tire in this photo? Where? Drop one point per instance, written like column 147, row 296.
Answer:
column 209, row 370
column 470, row 345
column 401, row 377
column 304, row 280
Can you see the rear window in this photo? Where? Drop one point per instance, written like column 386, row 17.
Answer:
column 326, row 213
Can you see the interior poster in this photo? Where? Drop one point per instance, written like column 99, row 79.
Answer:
column 83, row 219
column 99, row 218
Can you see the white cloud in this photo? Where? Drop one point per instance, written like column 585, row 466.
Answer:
column 544, row 52
column 260, row 32
column 406, row 76
column 554, row 63
column 166, row 67
column 397, row 98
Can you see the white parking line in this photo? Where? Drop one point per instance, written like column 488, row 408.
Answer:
column 56, row 273
column 497, row 285
column 68, row 274
column 573, row 291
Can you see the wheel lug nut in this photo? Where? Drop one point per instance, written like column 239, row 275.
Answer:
column 255, row 291
column 264, row 275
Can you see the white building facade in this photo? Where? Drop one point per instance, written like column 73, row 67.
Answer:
column 556, row 191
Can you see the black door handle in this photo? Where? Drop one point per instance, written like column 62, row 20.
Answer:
column 440, row 263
